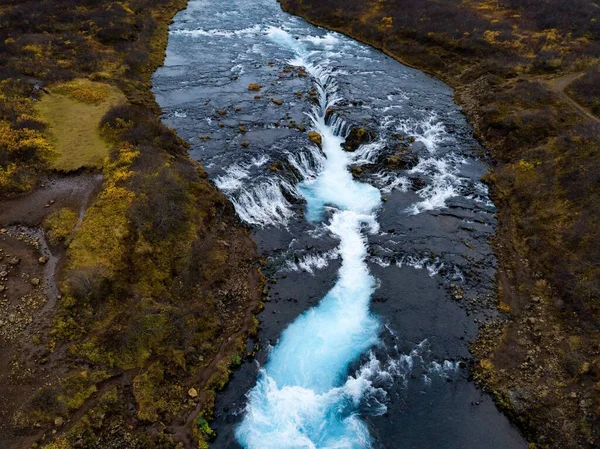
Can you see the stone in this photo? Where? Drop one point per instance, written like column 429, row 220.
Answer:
column 315, row 137
column 254, row 87
column 3, row 274
column 58, row 421
column 14, row 261
column 43, row 260
column 277, row 101
column 192, row 392
column 35, row 281
column 357, row 137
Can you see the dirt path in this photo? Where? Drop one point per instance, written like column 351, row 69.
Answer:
column 558, row 86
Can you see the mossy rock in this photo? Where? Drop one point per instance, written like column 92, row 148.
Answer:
column 315, row 137
column 357, row 137
column 402, row 159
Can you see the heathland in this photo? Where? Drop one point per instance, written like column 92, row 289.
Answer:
column 128, row 285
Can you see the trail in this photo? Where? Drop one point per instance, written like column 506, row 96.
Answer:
column 558, row 86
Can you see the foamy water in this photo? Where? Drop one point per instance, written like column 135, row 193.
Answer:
column 302, row 398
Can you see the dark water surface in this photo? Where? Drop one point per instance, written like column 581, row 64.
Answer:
column 419, row 249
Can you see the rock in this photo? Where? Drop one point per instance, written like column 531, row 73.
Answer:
column 43, row 260
column 35, row 281
column 3, row 231
column 14, row 261
column 58, row 421
column 277, row 101
column 245, row 144
column 402, row 159
column 417, row 183
column 3, row 274
column 357, row 137
column 315, row 137
column 254, row 87
column 192, row 392
column 222, row 112
column 2, row 287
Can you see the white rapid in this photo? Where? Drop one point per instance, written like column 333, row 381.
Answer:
column 303, row 397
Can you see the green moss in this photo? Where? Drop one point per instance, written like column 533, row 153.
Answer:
column 73, row 112
column 59, row 225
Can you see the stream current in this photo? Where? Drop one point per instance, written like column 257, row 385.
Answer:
column 379, row 257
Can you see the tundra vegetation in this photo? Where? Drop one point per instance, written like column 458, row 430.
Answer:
column 526, row 73
column 158, row 281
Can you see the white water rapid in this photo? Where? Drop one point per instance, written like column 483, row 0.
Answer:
column 302, row 398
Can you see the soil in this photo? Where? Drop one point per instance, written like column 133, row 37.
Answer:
column 29, row 271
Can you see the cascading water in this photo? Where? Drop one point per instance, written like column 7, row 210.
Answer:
column 299, row 400
column 369, row 252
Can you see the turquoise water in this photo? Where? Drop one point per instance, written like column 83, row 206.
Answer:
column 303, row 397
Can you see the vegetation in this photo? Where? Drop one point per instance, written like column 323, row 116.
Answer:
column 586, row 89
column 59, row 225
column 526, row 75
column 159, row 278
column 73, row 112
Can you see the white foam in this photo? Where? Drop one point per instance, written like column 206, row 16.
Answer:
column 388, row 182
column 328, row 41
column 312, row 262
column 264, row 204
column 445, row 182
column 430, row 132
column 250, row 31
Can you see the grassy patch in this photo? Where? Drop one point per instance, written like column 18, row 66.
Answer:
column 60, row 224
column 73, row 112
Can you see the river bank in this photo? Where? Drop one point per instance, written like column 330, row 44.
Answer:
column 128, row 284
column 540, row 362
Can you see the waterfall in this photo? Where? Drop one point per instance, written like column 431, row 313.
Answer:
column 302, row 399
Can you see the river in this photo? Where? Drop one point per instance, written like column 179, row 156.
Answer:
column 380, row 266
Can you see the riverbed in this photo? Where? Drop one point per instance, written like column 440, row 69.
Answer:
column 379, row 258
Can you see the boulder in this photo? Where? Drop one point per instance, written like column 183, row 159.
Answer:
column 402, row 159
column 315, row 137
column 357, row 137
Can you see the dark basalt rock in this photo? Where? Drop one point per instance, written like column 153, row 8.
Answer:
column 357, row 137
column 417, row 183
column 402, row 158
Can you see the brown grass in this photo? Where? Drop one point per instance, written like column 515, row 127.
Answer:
column 73, row 112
